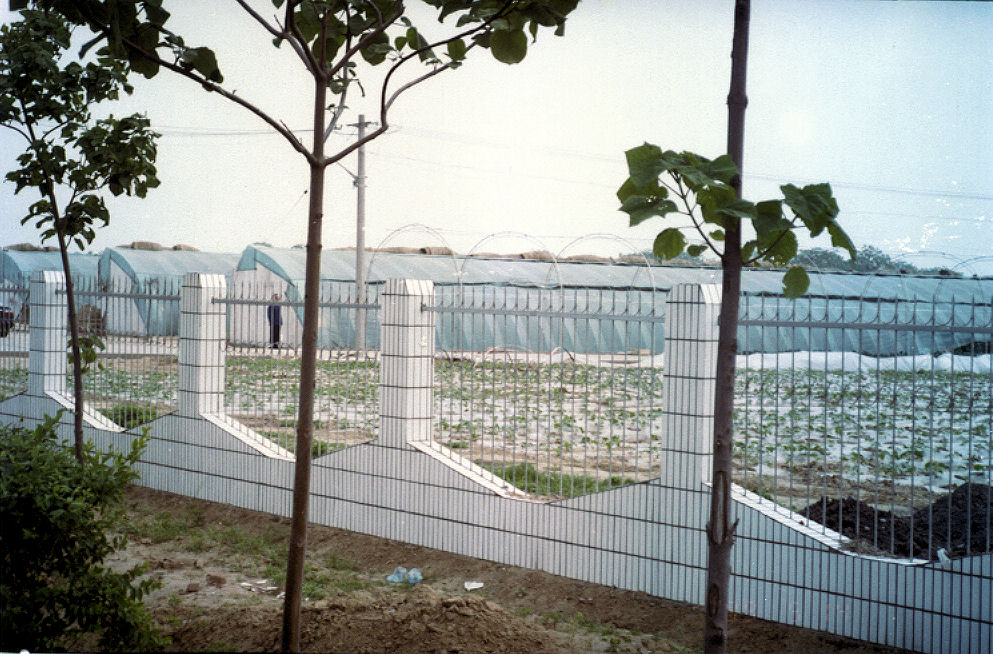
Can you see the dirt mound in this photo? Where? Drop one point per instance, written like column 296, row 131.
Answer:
column 961, row 523
column 374, row 621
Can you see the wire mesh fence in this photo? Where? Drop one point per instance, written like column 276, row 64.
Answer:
column 13, row 337
column 136, row 325
column 263, row 364
column 889, row 443
column 845, row 421
column 556, row 390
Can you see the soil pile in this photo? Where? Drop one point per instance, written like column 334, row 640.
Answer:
column 961, row 523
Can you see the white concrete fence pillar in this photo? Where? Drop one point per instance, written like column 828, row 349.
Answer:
column 407, row 362
column 691, row 336
column 48, row 358
column 202, row 336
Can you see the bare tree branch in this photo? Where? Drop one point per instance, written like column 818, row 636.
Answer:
column 304, row 52
column 690, row 212
column 211, row 86
column 338, row 110
column 386, row 104
column 300, row 51
column 366, row 40
column 25, row 135
column 278, row 33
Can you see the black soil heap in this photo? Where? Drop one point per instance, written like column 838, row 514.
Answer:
column 960, row 522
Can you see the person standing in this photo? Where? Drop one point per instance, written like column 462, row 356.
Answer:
column 275, row 317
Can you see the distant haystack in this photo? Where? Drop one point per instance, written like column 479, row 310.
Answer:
column 143, row 245
column 538, row 255
column 397, row 250
column 436, row 250
column 589, row 258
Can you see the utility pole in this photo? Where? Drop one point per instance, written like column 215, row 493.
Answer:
column 359, row 181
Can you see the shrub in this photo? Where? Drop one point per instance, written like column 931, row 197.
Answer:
column 57, row 517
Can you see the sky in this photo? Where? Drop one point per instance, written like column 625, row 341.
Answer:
column 890, row 102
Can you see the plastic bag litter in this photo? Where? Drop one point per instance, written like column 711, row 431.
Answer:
column 399, row 575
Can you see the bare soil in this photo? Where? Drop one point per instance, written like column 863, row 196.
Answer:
column 961, row 523
column 215, row 596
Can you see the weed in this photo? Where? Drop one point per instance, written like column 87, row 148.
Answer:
column 129, row 415
column 529, row 479
column 335, row 562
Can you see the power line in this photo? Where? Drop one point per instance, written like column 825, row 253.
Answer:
column 451, row 137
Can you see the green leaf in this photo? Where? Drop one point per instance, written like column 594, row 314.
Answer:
column 509, row 47
column 769, row 218
column 795, row 282
column 375, row 52
column 840, row 239
column 669, row 244
column 456, row 49
column 145, row 67
column 721, row 169
column 645, row 164
column 814, row 205
column 629, row 188
column 640, row 208
column 695, row 250
column 779, row 247
column 205, row 63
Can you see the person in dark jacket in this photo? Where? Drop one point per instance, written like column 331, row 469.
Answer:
column 275, row 317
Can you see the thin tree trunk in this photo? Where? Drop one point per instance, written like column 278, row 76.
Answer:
column 77, row 362
column 720, row 531
column 308, row 356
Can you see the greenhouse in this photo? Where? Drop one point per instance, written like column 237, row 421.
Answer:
column 613, row 307
column 142, row 286
column 591, row 306
column 17, row 267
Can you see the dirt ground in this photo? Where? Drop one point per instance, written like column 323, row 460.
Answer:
column 960, row 523
column 220, row 569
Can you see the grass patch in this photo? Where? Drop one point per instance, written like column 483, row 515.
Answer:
column 257, row 554
column 529, row 479
column 129, row 415
column 165, row 526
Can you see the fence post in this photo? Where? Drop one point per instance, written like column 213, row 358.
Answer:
column 202, row 326
column 407, row 362
column 689, row 382
column 48, row 358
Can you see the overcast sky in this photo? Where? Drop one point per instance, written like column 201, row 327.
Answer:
column 890, row 102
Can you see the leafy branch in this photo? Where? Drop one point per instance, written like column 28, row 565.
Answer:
column 703, row 187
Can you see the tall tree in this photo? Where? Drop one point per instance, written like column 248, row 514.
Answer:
column 332, row 39
column 709, row 194
column 71, row 159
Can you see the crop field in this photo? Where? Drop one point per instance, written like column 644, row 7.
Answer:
column 802, row 432
column 895, row 435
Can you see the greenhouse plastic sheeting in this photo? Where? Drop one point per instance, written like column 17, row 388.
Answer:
column 157, row 273
column 880, row 327
column 17, row 266
column 899, row 314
